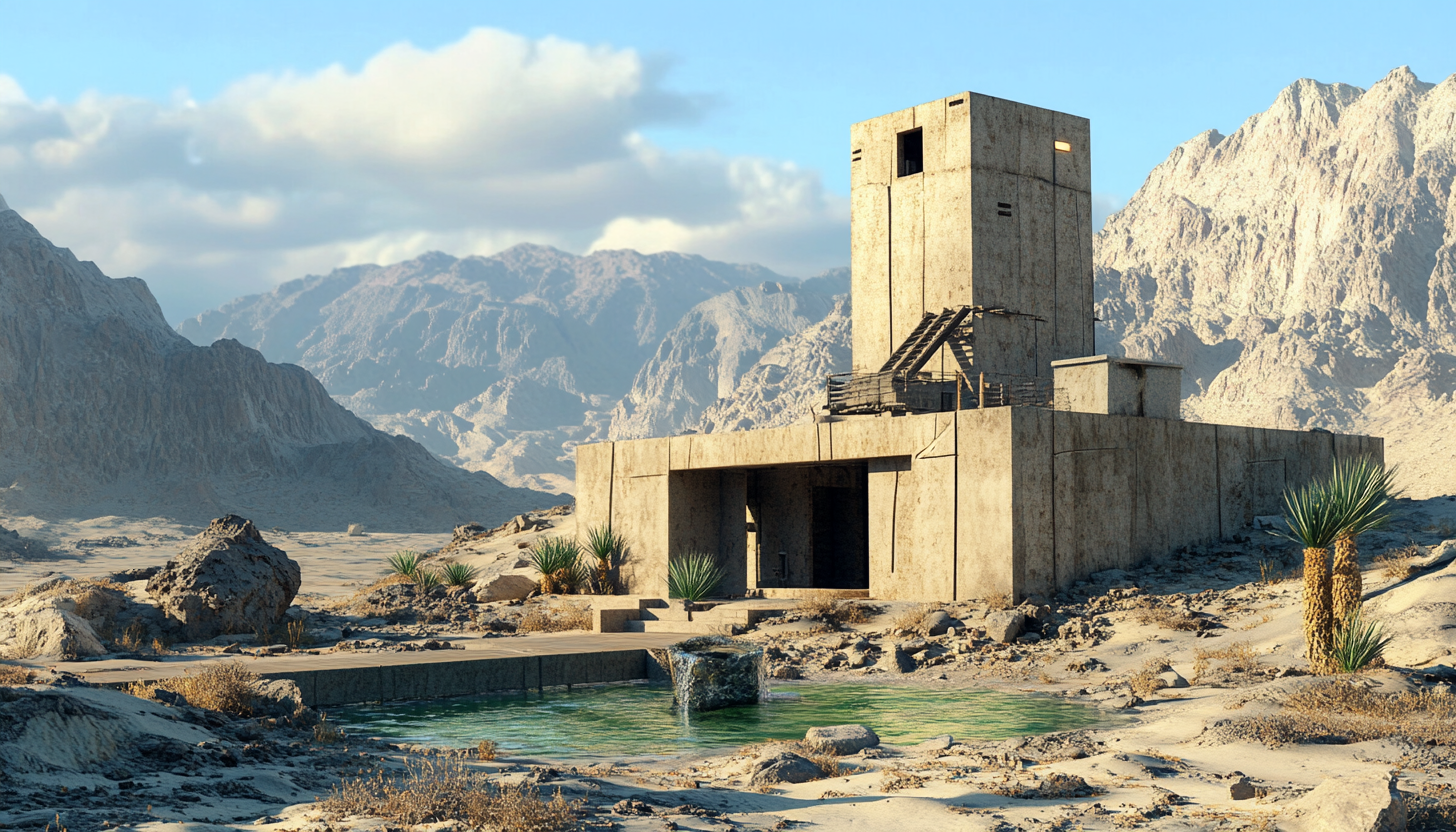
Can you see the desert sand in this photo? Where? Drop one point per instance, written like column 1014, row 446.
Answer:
column 1169, row 758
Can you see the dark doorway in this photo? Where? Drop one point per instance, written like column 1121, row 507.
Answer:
column 841, row 536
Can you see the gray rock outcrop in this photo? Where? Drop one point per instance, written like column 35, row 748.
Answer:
column 840, row 740
column 227, row 580
column 106, row 410
column 704, row 357
column 1351, row 803
column 783, row 767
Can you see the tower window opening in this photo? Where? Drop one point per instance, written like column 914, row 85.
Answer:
column 912, row 152
column 1062, row 147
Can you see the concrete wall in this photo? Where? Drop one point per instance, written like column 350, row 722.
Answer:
column 961, row 505
column 997, row 218
column 1119, row 386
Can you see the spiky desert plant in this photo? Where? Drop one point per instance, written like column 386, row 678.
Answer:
column 405, row 562
column 1314, row 521
column 606, row 548
column 558, row 560
column 426, row 580
column 1362, row 489
column 458, row 574
column 1357, row 642
column 693, row 576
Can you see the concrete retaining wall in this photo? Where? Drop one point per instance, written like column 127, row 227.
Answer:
column 437, row 680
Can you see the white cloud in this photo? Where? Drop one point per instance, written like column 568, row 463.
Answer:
column 1104, row 206
column 489, row 141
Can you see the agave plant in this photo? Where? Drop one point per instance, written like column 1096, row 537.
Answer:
column 1357, row 642
column 1314, row 520
column 458, row 574
column 693, row 576
column 425, row 580
column 405, row 562
column 1362, row 489
column 558, row 559
column 606, row 548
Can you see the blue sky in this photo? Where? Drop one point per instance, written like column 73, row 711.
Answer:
column 134, row 132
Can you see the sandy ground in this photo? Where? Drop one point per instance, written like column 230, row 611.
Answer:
column 1176, row 759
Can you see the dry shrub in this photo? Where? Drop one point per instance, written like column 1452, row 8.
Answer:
column 1056, row 786
column 487, row 750
column 1339, row 712
column 1399, row 564
column 1238, row 657
column 326, row 734
column 1145, row 681
column 434, row 791
column 296, row 635
column 911, row 619
column 543, row 619
column 13, row 675
column 134, row 636
column 827, row 763
column 227, row 687
column 998, row 601
column 1170, row 618
column 823, row 606
column 896, row 779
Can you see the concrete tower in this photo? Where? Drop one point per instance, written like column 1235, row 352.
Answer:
column 981, row 202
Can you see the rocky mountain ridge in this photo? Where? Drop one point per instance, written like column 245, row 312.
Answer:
column 104, row 409
column 505, row 363
column 1302, row 268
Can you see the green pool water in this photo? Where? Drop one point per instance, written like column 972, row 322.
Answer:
column 631, row 720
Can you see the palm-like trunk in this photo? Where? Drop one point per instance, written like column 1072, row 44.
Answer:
column 1345, row 581
column 1318, row 610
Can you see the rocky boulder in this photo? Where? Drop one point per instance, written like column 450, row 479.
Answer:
column 783, row 767
column 1352, row 803
column 1005, row 625
column 227, row 580
column 840, row 740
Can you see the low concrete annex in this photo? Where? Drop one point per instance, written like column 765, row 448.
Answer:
column 977, row 448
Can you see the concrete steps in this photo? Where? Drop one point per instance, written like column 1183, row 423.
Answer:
column 635, row 614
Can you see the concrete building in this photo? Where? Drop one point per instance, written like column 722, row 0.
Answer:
column 978, row 446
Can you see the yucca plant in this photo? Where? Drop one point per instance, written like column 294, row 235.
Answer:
column 1362, row 489
column 405, row 562
column 425, row 580
column 693, row 576
column 606, row 548
column 1314, row 520
column 1357, row 642
column 558, row 559
column 458, row 574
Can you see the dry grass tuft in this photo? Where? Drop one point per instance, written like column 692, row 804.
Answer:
column 998, row 601
column 912, row 618
column 430, row 792
column 487, row 750
column 13, row 675
column 1340, row 712
column 1151, row 610
column 326, row 734
column 227, row 687
column 543, row 619
column 1238, row 657
column 1399, row 564
column 827, row 763
column 1145, row 681
column 823, row 606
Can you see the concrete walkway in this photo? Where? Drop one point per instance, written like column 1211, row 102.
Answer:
column 483, row 665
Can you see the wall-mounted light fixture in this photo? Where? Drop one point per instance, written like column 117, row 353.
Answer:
column 1062, row 147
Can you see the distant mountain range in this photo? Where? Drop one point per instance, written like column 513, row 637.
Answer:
column 503, row 364
column 104, row 409
column 1302, row 269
